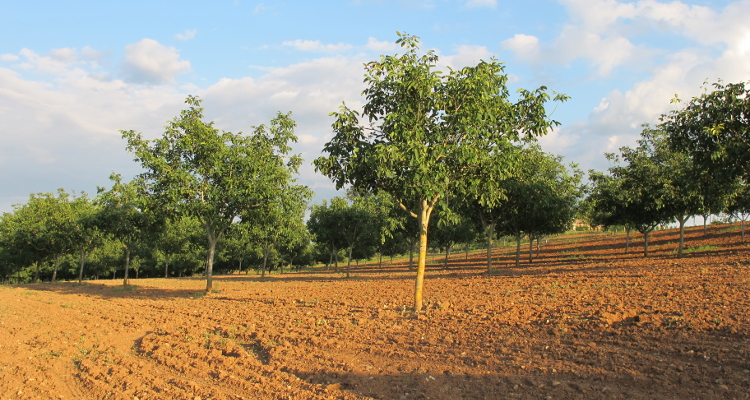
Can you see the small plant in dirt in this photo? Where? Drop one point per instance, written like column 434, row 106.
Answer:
column 128, row 288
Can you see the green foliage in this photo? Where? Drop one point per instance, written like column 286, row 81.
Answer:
column 715, row 129
column 427, row 132
column 214, row 176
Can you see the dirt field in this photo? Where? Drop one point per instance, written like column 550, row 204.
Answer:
column 584, row 321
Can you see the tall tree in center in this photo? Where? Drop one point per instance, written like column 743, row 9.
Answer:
column 427, row 132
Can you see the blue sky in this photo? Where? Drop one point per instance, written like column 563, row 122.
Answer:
column 73, row 73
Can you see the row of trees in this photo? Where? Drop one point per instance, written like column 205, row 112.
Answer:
column 196, row 179
column 692, row 163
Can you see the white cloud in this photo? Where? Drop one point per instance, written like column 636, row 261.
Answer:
column 259, row 9
column 525, row 47
column 385, row 46
column 481, row 3
column 187, row 35
column 150, row 62
column 316, row 46
column 8, row 57
column 465, row 56
column 600, row 32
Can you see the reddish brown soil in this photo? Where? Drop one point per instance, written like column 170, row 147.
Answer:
column 604, row 326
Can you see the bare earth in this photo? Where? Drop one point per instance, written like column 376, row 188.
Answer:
column 602, row 325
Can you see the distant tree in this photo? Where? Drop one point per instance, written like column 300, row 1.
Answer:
column 126, row 215
column 739, row 205
column 43, row 224
column 198, row 171
column 176, row 236
column 715, row 129
column 426, row 132
column 86, row 234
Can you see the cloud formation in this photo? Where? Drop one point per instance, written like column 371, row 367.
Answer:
column 150, row 62
column 316, row 46
column 187, row 35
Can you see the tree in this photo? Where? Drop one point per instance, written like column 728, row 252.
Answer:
column 427, row 131
column 175, row 237
column 86, row 234
column 323, row 224
column 125, row 215
column 715, row 129
column 279, row 222
column 739, row 205
column 196, row 170
column 43, row 224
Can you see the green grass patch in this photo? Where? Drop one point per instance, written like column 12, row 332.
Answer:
column 701, row 248
column 126, row 288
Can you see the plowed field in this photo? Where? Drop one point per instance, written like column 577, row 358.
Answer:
column 583, row 321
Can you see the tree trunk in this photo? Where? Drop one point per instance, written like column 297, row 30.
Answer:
column 265, row 261
column 36, row 273
column 645, row 244
column 627, row 239
column 518, row 248
column 531, row 249
column 682, row 221
column 490, row 232
column 210, row 262
column 447, row 254
column 705, row 221
column 614, row 237
column 125, row 281
column 81, row 262
column 330, row 260
column 57, row 264
column 166, row 265
column 423, row 219
column 349, row 261
column 466, row 256
column 538, row 245
column 114, row 274
column 380, row 260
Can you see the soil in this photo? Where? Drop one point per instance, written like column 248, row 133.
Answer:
column 583, row 321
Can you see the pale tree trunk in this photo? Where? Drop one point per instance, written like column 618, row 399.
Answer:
column 265, row 261
column 349, row 261
column 166, row 265
column 705, row 222
column 423, row 219
column 645, row 244
column 380, row 260
column 36, row 273
column 114, row 274
column 490, row 232
column 466, row 249
column 81, row 262
column 330, row 260
column 681, row 220
column 742, row 224
column 627, row 239
column 447, row 254
column 210, row 261
column 57, row 264
column 614, row 237
column 538, row 245
column 125, row 281
column 518, row 248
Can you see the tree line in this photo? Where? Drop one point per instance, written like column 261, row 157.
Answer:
column 453, row 154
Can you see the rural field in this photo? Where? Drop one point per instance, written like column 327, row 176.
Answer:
column 583, row 321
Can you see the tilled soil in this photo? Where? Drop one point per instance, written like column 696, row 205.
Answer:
column 583, row 321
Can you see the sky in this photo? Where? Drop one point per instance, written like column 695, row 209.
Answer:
column 75, row 73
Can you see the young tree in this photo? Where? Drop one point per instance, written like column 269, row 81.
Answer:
column 427, row 131
column 715, row 129
column 125, row 215
column 215, row 176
